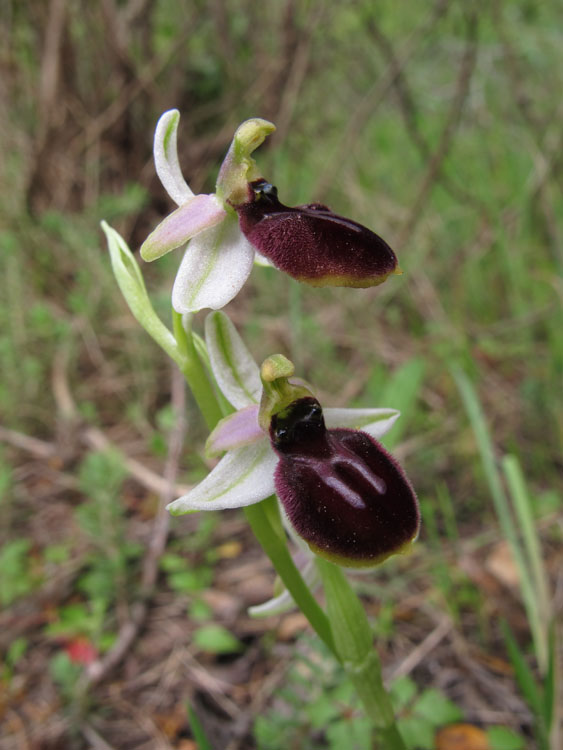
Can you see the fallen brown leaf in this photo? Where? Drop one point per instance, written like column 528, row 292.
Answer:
column 462, row 737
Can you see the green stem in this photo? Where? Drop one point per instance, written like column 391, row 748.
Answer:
column 259, row 516
column 194, row 373
column 354, row 643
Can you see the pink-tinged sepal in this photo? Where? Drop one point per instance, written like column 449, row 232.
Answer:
column 311, row 243
column 234, row 431
column 199, row 213
column 342, row 491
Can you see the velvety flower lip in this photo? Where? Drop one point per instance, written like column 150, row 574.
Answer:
column 313, row 244
column 343, row 493
column 218, row 259
column 249, row 472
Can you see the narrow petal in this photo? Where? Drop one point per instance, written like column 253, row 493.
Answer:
column 215, row 266
column 199, row 213
column 243, row 477
column 376, row 422
column 284, row 602
column 165, row 151
column 234, row 368
column 236, row 430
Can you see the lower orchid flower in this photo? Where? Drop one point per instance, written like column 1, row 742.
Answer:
column 342, row 493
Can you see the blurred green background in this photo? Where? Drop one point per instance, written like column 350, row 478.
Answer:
column 438, row 125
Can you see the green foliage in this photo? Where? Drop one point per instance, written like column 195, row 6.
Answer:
column 421, row 715
column 319, row 706
column 109, row 560
column 401, row 392
column 65, row 674
column 17, row 576
column 216, row 640
column 198, row 731
column 14, row 654
column 502, row 738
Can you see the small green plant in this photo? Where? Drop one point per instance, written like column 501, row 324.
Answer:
column 15, row 653
column 101, row 517
column 65, row 674
column 18, row 577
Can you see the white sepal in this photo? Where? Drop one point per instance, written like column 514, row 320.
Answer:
column 284, row 601
column 235, row 370
column 376, row 422
column 243, row 477
column 214, row 268
column 165, row 150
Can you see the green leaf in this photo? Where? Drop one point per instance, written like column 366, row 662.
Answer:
column 524, row 676
column 401, row 392
column 172, row 563
column 551, row 677
column 130, row 280
column 56, row 553
column 417, row 733
column 216, row 639
column 402, row 691
column 502, row 506
column 63, row 672
column 187, row 581
column 16, row 578
column 436, row 708
column 200, row 610
column 198, row 731
column 502, row 738
column 322, row 711
column 15, row 651
column 352, row 735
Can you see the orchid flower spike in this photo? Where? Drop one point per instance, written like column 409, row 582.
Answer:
column 342, row 493
column 219, row 258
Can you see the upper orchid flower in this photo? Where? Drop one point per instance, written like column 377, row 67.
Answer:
column 310, row 243
column 341, row 491
column 219, row 258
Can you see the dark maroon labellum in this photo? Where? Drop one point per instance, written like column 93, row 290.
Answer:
column 343, row 493
column 311, row 243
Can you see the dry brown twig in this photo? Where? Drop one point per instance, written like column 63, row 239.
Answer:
column 409, row 111
column 371, row 101
column 50, row 67
column 466, row 69
column 550, row 157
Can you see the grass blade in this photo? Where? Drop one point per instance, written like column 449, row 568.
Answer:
column 527, row 683
column 521, row 503
column 502, row 508
column 197, row 730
